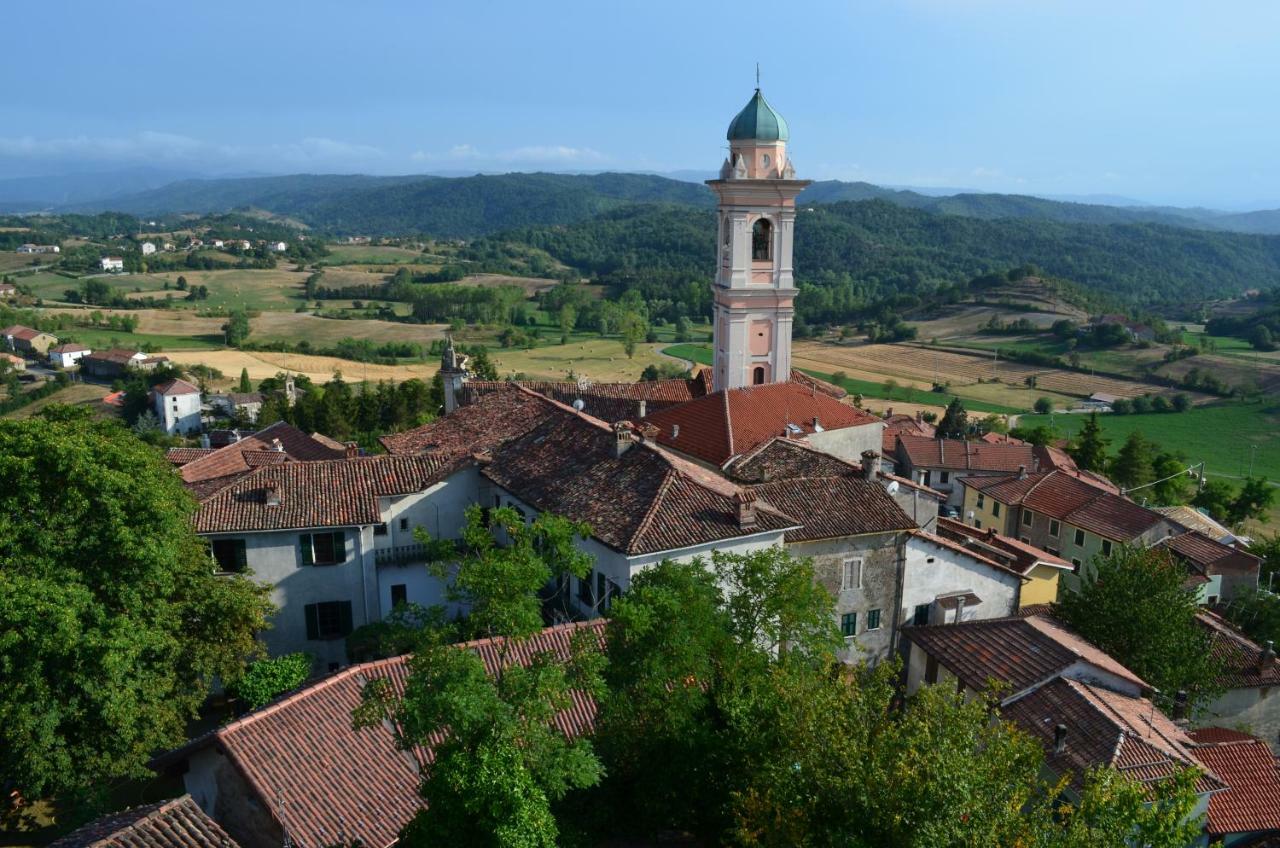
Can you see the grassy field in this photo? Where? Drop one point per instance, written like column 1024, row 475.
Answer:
column 76, row 394
column 252, row 289
column 100, row 339
column 1224, row 435
column 263, row 364
column 364, row 254
column 594, row 359
column 323, row 332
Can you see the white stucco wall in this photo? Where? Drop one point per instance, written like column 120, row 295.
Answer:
column 933, row 570
column 848, row 443
column 178, row 413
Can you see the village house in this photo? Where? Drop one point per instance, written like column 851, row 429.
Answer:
column 13, row 362
column 1247, row 812
column 1229, row 571
column 942, row 464
column 8, row 289
column 147, row 248
column 39, row 248
column 176, row 404
column 278, row 246
column 1251, row 681
column 177, row 823
column 25, row 340
column 118, row 362
column 112, row 263
column 1038, row 568
column 233, row 404
column 68, row 354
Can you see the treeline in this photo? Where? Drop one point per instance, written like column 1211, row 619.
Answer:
column 358, row 350
column 1261, row 328
column 346, row 412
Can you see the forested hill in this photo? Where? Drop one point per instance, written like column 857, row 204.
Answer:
column 461, row 207
column 871, row 249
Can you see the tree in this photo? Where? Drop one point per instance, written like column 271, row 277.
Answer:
column 1261, row 338
column 633, row 328
column 1215, row 497
column 1090, row 447
column 1133, row 465
column 684, row 329
column 1136, row 606
column 96, row 291
column 1252, row 501
column 1171, row 470
column 1181, row 402
column 266, row 679
column 481, row 366
column 112, row 623
column 236, row 328
column 568, row 320
column 245, row 385
column 503, row 761
column 955, row 421
column 1044, row 405
column 182, row 283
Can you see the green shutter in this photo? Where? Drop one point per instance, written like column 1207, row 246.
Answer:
column 304, row 542
column 313, row 621
column 344, row 618
column 242, row 560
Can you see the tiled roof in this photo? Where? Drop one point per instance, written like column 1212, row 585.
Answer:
column 725, row 424
column 957, row 455
column 1199, row 549
column 1193, row 519
column 69, row 347
column 1019, row 555
column 781, row 458
column 495, row 418
column 606, row 401
column 321, row 778
column 810, row 381
column 120, row 356
column 175, row 387
column 181, row 456
column 908, row 424
column 1001, row 439
column 325, row 493
column 20, row 332
column 1105, row 728
column 178, row 823
column 1245, row 763
column 1019, row 652
column 1240, row 656
column 832, row 507
column 12, row 330
column 976, row 556
column 1060, row 495
column 644, row 501
column 229, row 460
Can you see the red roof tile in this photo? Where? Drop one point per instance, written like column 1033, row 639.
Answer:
column 784, row 459
column 1196, row 548
column 1060, row 495
column 957, row 455
column 230, row 460
column 494, row 418
column 1240, row 656
column 319, row 777
column 725, row 424
column 1019, row 555
column 68, row 347
column 1245, row 763
column 181, row 456
column 179, row 823
column 833, row 507
column 606, row 401
column 175, row 387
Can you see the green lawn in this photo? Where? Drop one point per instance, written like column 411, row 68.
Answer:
column 701, row 354
column 1223, row 435
column 101, row 339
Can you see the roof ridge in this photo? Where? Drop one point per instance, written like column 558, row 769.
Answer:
column 728, row 423
column 647, row 520
column 157, row 808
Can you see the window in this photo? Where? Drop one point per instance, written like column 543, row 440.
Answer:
column 328, row 620
column 1106, row 547
column 380, row 529
column 762, row 240
column 399, row 594
column 851, row 574
column 849, row 624
column 1025, row 540
column 757, row 376
column 404, row 524
column 1053, row 551
column 229, row 554
column 977, row 523
column 921, row 617
column 584, row 590
column 982, row 500
column 1027, row 517
column 1079, row 537
column 1055, row 527
column 323, row 548
column 1075, row 565
column 995, row 508
column 873, row 619
column 944, row 476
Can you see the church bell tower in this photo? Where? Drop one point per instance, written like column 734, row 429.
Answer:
column 754, row 288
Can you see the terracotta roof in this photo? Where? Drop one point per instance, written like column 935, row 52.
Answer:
column 833, row 507
column 120, row 356
column 1060, row 495
column 69, row 347
column 494, row 418
column 1203, row 552
column 331, row 779
column 1245, row 763
column 1020, row 652
column 325, row 493
column 20, row 332
column 181, row 456
column 1018, row 555
column 722, row 425
column 957, row 455
column 781, row 458
column 178, row 823
column 231, row 460
column 1106, row 728
column 328, row 442
column 1240, row 656
column 976, row 556
column 1001, row 439
column 810, row 381
column 175, row 387
column 606, row 401
column 1193, row 519
column 909, row 424
column 644, row 501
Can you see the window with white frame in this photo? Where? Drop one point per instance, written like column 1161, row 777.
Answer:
column 873, row 619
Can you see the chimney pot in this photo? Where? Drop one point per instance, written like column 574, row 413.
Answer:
column 622, row 438
column 1022, row 471
column 675, row 431
column 277, row 446
column 271, row 493
column 1268, row 654
column 870, row 464
column 352, row 450
column 642, row 408
column 1059, row 739
column 744, row 500
column 1180, row 705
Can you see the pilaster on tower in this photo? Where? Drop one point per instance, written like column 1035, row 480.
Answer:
column 754, row 292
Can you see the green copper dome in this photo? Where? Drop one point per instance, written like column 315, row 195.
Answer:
column 758, row 121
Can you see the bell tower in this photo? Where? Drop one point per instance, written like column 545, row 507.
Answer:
column 754, row 289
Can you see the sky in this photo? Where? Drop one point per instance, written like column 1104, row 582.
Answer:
column 1164, row 102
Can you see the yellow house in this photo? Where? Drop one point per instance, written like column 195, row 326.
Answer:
column 1039, row 568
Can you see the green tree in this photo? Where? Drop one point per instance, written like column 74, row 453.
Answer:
column 95, row 291
column 236, row 328
column 1133, row 464
column 182, row 283
column 633, row 328
column 1044, row 405
column 1252, row 501
column 266, row 679
column 684, row 329
column 568, row 320
column 481, row 366
column 245, row 385
column 1215, row 497
column 1261, row 338
column 1135, row 605
column 112, row 623
column 503, row 761
column 955, row 421
column 1174, row 486
column 1090, row 447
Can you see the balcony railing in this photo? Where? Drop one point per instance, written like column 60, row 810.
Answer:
column 400, row 555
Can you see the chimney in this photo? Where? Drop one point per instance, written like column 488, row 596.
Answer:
column 235, row 436
column 277, row 446
column 271, row 493
column 888, row 412
column 204, row 440
column 1022, row 471
column 1268, row 656
column 745, row 502
column 1180, row 705
column 675, row 431
column 352, row 450
column 870, row 464
column 919, row 415
column 622, row 438
column 642, row 409
column 1059, row 739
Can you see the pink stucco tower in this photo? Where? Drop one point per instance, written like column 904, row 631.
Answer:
column 755, row 289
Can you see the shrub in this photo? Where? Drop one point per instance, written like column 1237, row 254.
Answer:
column 1044, row 405
column 265, row 679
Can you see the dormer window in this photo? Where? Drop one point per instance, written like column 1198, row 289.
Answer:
column 762, row 240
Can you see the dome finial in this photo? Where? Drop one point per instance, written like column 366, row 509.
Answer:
column 757, row 76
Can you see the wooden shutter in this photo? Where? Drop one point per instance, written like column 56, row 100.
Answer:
column 242, row 560
column 304, row 542
column 344, row 618
column 313, row 621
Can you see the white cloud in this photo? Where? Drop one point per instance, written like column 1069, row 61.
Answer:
column 535, row 154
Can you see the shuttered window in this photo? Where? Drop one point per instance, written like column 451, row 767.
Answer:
column 230, row 554
column 323, row 548
column 328, row 620
column 849, row 624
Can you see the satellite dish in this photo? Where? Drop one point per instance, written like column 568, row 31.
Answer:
column 892, row 488
column 578, row 404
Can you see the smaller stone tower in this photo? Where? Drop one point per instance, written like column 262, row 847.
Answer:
column 453, row 373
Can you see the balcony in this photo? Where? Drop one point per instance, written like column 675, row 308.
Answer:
column 400, row 555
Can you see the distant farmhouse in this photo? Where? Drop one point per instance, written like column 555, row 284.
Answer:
column 39, row 248
column 112, row 263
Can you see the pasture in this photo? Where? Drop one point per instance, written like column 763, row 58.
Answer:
column 264, row 364
column 595, row 359
column 76, row 394
column 365, row 254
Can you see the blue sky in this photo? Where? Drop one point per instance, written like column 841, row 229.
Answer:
column 1168, row 102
